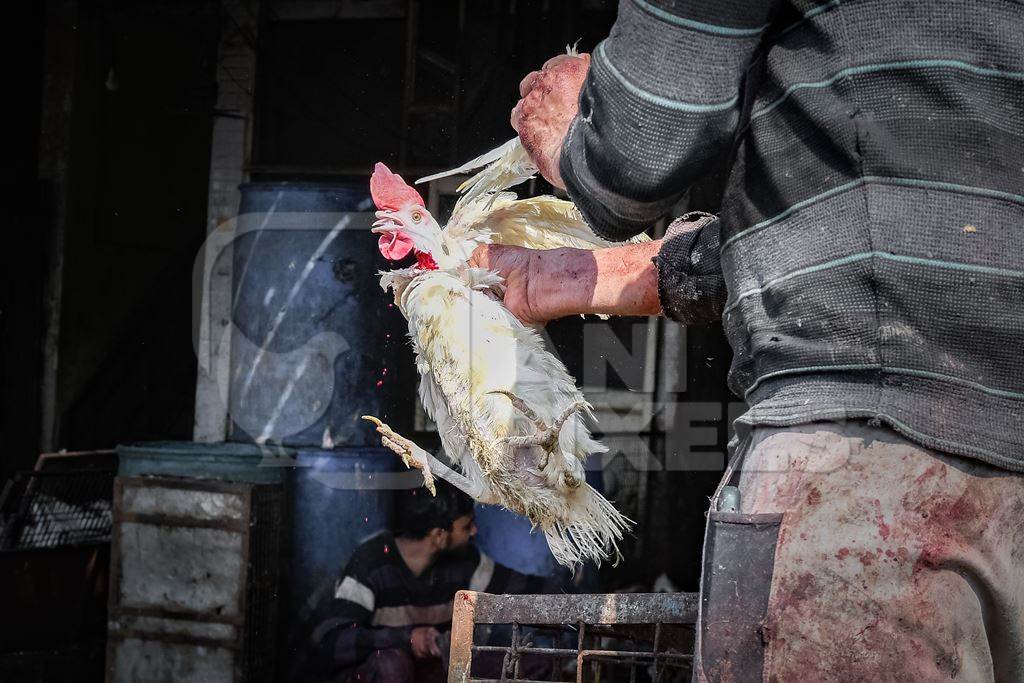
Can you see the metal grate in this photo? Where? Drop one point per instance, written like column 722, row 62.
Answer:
column 268, row 530
column 638, row 637
column 49, row 509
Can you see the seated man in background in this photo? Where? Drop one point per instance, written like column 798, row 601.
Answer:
column 391, row 611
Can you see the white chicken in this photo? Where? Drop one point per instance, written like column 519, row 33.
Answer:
column 508, row 413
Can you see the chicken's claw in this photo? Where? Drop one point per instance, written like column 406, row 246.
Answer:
column 547, row 437
column 411, row 454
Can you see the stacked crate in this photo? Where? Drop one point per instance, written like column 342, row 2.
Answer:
column 194, row 580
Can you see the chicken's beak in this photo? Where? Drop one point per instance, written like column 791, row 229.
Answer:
column 393, row 244
column 386, row 222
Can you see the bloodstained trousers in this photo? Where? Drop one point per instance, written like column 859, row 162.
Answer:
column 859, row 555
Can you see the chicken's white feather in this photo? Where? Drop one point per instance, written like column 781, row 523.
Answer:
column 473, row 164
column 514, row 166
column 503, row 167
column 537, row 223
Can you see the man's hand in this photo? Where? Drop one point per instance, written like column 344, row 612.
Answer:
column 541, row 285
column 514, row 265
column 550, row 100
column 423, row 640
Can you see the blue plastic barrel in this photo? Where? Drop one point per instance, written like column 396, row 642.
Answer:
column 510, row 539
column 314, row 342
column 340, row 499
column 507, row 537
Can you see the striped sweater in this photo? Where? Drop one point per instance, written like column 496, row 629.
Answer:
column 377, row 601
column 868, row 257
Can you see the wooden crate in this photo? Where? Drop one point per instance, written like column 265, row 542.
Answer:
column 194, row 580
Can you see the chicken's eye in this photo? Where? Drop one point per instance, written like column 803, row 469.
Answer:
column 417, row 216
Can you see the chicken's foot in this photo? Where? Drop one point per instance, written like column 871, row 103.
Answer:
column 412, row 455
column 547, row 437
column 415, row 457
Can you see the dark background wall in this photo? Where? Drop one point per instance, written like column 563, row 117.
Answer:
column 115, row 100
column 24, row 251
column 128, row 371
column 332, row 96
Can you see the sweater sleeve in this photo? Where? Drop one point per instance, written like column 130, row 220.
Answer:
column 691, row 286
column 661, row 100
column 343, row 636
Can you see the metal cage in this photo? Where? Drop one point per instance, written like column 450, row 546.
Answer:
column 194, row 581
column 632, row 637
column 55, row 524
column 56, row 508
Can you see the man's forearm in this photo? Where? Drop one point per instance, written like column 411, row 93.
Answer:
column 613, row 281
column 678, row 276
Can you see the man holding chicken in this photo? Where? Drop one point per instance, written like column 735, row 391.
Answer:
column 867, row 266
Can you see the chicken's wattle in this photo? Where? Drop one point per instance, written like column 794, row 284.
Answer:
column 394, row 246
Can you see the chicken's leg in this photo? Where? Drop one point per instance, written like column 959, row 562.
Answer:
column 547, row 437
column 415, row 457
column 411, row 454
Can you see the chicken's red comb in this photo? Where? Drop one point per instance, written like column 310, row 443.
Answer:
column 390, row 192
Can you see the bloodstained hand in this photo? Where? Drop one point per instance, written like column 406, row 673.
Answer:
column 550, row 100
